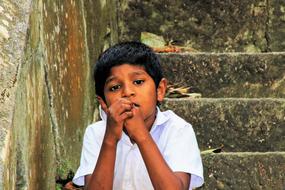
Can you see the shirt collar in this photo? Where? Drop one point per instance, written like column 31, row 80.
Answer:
column 103, row 115
column 159, row 120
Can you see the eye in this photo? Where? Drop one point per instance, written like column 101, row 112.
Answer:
column 115, row 87
column 138, row 82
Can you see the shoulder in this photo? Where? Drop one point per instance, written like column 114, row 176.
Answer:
column 176, row 127
column 95, row 131
column 174, row 121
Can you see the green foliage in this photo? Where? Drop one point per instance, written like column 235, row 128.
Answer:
column 63, row 169
column 58, row 187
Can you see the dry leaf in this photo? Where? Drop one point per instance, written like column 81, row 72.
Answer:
column 214, row 150
column 152, row 40
column 181, row 92
column 159, row 45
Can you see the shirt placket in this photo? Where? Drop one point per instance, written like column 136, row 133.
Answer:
column 128, row 184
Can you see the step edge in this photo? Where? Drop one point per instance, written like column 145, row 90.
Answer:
column 245, row 153
column 225, row 99
column 224, row 53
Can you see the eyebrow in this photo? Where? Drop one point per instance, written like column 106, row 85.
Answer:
column 109, row 79
column 138, row 73
column 135, row 73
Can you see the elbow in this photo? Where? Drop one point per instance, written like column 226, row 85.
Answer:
column 179, row 185
column 173, row 185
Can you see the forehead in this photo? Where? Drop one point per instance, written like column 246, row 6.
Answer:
column 127, row 69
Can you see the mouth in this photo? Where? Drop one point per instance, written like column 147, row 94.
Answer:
column 136, row 105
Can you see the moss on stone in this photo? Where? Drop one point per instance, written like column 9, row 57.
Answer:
column 208, row 26
column 238, row 124
column 244, row 170
column 228, row 74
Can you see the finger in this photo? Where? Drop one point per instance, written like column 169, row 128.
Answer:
column 121, row 106
column 117, row 111
column 124, row 107
column 135, row 110
column 103, row 104
column 126, row 115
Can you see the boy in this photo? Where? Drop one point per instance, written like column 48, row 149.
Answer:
column 136, row 146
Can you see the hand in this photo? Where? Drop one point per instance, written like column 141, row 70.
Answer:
column 116, row 115
column 135, row 125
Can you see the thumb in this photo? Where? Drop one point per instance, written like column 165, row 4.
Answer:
column 135, row 110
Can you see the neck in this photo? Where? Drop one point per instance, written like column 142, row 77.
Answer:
column 150, row 120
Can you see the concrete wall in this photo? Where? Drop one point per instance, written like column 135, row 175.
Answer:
column 47, row 92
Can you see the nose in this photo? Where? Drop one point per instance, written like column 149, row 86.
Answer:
column 128, row 91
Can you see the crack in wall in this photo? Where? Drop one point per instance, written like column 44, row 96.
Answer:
column 267, row 35
column 52, row 116
column 41, row 47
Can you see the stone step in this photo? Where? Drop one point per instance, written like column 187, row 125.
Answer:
column 238, row 124
column 244, row 171
column 228, row 74
column 211, row 25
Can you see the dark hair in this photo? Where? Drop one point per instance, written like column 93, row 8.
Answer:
column 134, row 53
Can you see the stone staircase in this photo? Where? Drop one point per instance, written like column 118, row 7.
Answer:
column 239, row 69
column 248, row 123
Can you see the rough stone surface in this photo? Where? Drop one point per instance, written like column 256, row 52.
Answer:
column 276, row 25
column 244, row 171
column 238, row 124
column 219, row 26
column 101, row 26
column 32, row 163
column 68, row 76
column 13, row 26
column 228, row 74
column 47, row 91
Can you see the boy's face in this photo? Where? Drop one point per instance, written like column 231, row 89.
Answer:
column 135, row 84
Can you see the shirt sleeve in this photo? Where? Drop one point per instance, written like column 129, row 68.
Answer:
column 183, row 155
column 89, row 156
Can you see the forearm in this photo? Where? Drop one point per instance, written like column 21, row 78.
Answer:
column 162, row 177
column 103, row 174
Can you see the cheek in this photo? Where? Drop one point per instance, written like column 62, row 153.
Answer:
column 110, row 98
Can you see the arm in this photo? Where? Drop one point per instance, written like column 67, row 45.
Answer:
column 102, row 177
column 162, row 177
column 103, row 174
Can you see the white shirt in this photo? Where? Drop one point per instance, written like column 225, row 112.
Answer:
column 174, row 137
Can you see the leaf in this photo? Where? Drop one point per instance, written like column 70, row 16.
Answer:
column 152, row 40
column 181, row 92
column 213, row 150
column 167, row 49
column 159, row 45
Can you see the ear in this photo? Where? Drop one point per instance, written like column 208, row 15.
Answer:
column 161, row 89
column 103, row 104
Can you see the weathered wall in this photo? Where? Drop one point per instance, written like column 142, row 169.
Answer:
column 14, row 16
column 47, row 91
column 68, row 77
